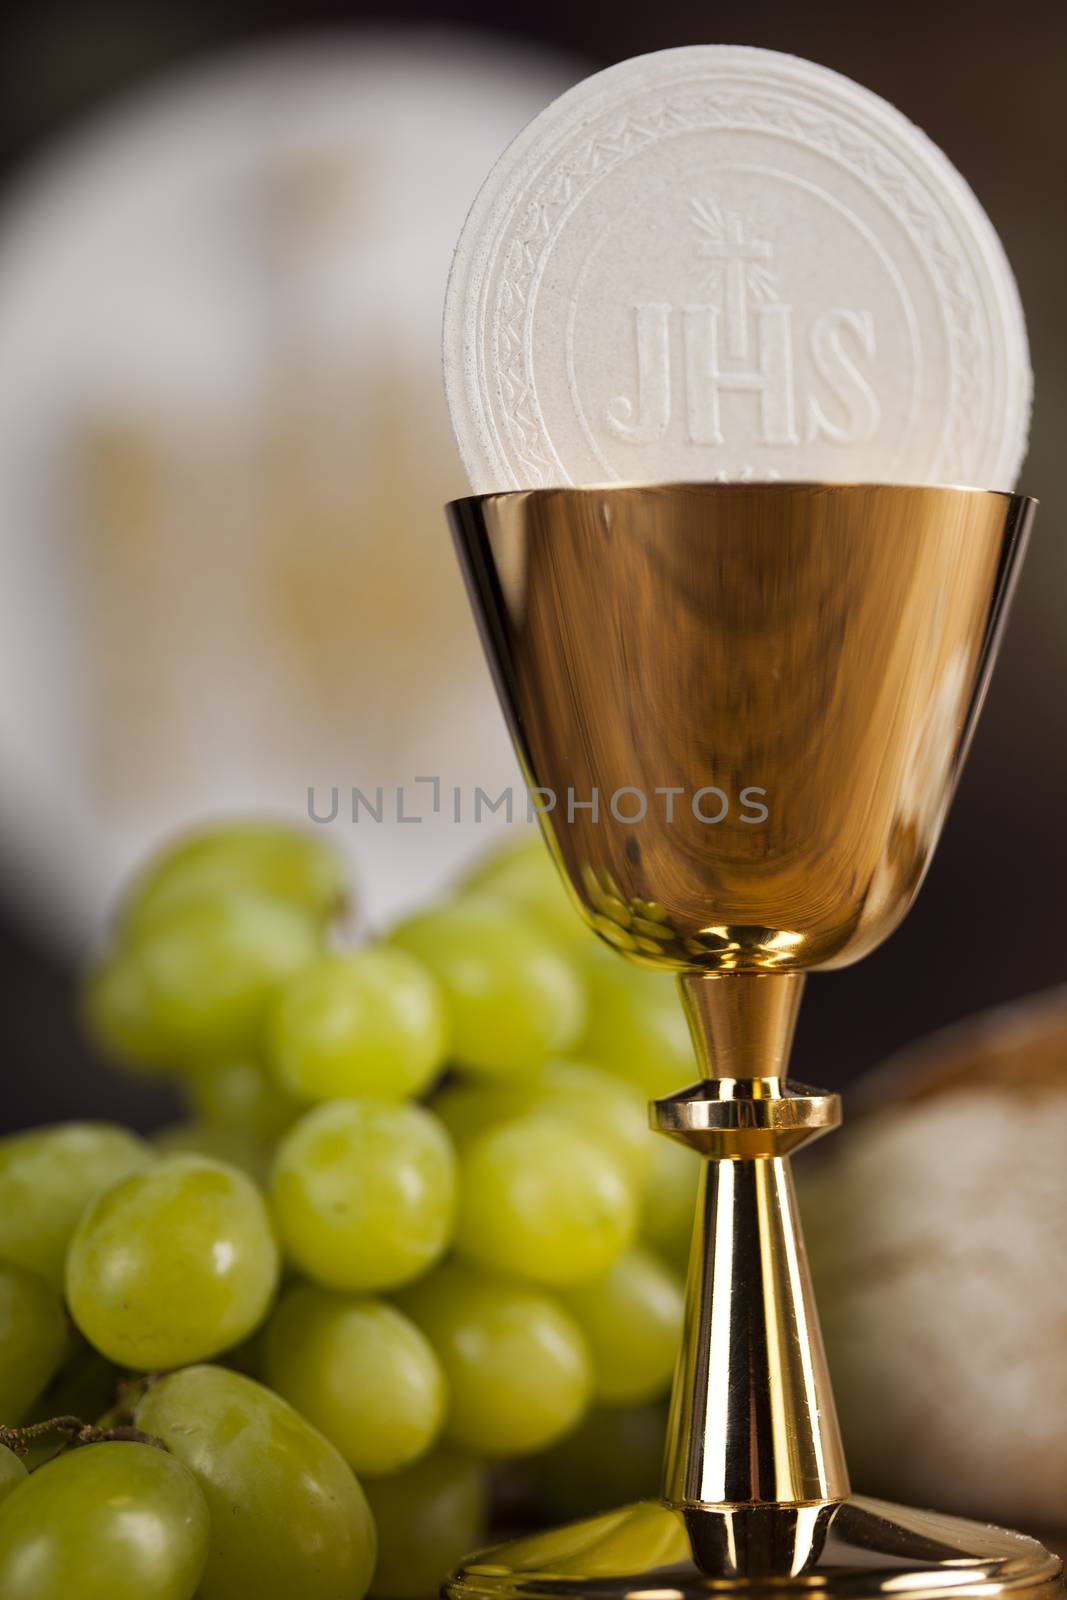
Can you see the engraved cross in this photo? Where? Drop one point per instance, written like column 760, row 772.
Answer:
column 734, row 250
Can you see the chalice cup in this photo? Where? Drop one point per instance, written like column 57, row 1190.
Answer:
column 741, row 711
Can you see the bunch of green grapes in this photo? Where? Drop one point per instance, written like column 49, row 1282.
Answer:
column 412, row 1226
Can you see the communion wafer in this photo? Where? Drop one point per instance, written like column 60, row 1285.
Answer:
column 727, row 263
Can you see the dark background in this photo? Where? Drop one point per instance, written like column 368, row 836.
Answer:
column 988, row 82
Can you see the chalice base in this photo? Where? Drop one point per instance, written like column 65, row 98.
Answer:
column 858, row 1548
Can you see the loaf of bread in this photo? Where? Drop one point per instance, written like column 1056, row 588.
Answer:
column 937, row 1228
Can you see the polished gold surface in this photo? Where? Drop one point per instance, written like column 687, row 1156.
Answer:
column 742, row 1029
column 860, row 1548
column 809, row 661
column 738, row 1118
column 752, row 1412
column 752, row 1418
column 829, row 646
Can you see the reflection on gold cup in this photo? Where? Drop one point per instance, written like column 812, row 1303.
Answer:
column 741, row 711
column 801, row 665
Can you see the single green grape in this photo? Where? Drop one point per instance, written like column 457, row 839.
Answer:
column 117, row 1016
column 670, row 1198
column 12, row 1472
column 541, row 1200
column 632, row 1320
column 48, row 1176
column 607, row 1109
column 274, row 859
column 363, row 1193
column 172, row 1264
column 365, row 1022
column 242, row 1096
column 238, row 1148
column 635, row 1025
column 289, row 1520
column 208, row 968
column 525, row 875
column 516, row 1362
column 359, row 1371
column 512, row 996
column 34, row 1339
column 111, row 1521
column 428, row 1518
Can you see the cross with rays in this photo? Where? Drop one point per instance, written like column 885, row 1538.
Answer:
column 730, row 242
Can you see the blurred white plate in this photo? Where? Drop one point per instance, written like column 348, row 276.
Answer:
column 223, row 453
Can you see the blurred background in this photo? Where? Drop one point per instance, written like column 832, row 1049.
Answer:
column 224, row 236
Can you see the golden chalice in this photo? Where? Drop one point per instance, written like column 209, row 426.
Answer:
column 742, row 711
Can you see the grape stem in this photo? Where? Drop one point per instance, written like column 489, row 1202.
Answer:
column 77, row 1432
column 129, row 1392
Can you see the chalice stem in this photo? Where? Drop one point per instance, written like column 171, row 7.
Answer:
column 752, row 1422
